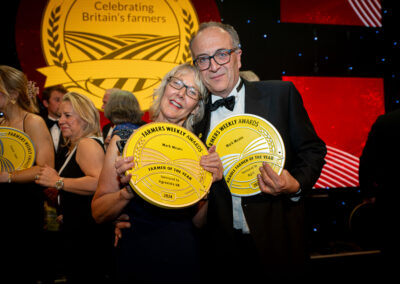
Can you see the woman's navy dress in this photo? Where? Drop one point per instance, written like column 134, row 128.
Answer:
column 162, row 244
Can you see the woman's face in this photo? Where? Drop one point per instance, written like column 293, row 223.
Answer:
column 176, row 105
column 71, row 124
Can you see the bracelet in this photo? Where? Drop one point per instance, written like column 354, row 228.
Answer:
column 10, row 174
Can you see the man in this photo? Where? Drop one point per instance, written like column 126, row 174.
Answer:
column 108, row 128
column 265, row 233
column 51, row 99
column 378, row 173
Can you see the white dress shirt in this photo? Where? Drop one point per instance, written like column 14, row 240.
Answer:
column 239, row 220
column 55, row 133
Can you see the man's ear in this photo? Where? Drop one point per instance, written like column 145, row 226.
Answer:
column 45, row 103
column 239, row 54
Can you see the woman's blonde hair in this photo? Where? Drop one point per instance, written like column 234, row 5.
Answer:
column 86, row 110
column 158, row 94
column 122, row 106
column 14, row 80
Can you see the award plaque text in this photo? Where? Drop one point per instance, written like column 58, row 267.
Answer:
column 16, row 150
column 244, row 142
column 167, row 172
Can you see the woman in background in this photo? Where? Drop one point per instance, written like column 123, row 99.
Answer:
column 76, row 180
column 123, row 110
column 22, row 200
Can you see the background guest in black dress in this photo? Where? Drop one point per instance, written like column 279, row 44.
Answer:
column 21, row 211
column 161, row 245
column 85, row 241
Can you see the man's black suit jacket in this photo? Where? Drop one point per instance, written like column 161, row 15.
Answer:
column 379, row 177
column 277, row 224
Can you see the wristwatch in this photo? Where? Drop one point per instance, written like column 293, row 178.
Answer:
column 60, row 184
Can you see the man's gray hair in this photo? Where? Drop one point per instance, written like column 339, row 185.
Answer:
column 228, row 28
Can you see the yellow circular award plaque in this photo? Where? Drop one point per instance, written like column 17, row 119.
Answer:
column 167, row 172
column 244, row 142
column 16, row 150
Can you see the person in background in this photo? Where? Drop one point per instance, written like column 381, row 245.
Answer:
column 51, row 99
column 379, row 185
column 159, row 245
column 22, row 200
column 108, row 128
column 76, row 180
column 123, row 111
column 262, row 235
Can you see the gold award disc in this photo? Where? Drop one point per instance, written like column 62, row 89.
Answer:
column 244, row 142
column 16, row 150
column 167, row 172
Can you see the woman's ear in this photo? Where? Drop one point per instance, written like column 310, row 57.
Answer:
column 13, row 96
column 195, row 110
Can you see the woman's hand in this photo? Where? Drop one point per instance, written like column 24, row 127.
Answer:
column 121, row 166
column 122, row 222
column 213, row 164
column 47, row 176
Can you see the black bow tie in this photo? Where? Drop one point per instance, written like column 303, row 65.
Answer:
column 228, row 102
column 51, row 122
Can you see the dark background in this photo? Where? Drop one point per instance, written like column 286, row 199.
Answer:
column 272, row 49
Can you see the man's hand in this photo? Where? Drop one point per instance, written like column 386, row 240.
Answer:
column 272, row 183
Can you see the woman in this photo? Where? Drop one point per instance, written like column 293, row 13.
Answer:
column 76, row 181
column 22, row 200
column 123, row 110
column 161, row 245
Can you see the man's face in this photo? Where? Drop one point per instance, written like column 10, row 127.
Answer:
column 105, row 99
column 53, row 104
column 219, row 79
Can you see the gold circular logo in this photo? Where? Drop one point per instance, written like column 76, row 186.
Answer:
column 91, row 46
column 167, row 172
column 16, row 150
column 244, row 142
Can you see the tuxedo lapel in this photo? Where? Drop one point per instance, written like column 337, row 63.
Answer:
column 255, row 103
column 202, row 128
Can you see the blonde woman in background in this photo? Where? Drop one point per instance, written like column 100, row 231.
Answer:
column 76, row 180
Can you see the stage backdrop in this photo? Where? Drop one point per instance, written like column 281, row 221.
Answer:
column 91, row 46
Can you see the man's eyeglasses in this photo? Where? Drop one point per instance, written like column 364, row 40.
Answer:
column 221, row 57
column 191, row 92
